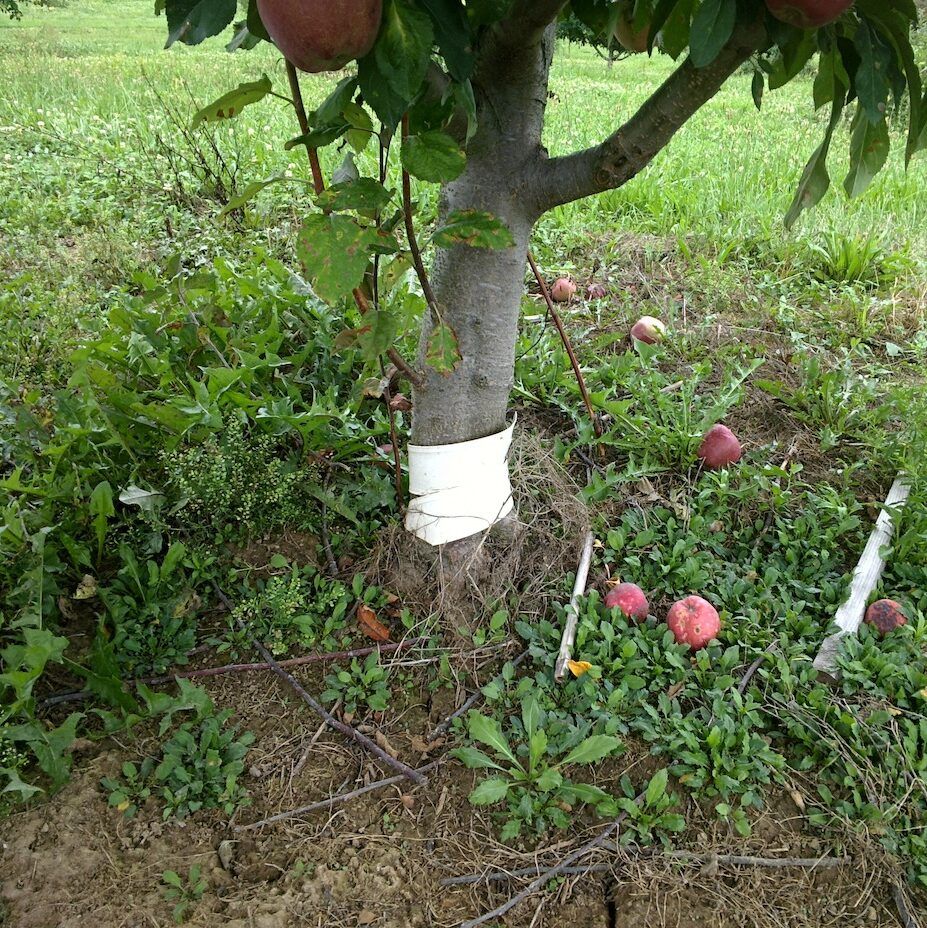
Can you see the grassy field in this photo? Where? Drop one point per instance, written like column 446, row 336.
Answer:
column 173, row 416
column 86, row 184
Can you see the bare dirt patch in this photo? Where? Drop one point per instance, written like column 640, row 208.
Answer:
column 379, row 860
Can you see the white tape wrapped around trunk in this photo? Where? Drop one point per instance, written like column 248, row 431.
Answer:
column 458, row 490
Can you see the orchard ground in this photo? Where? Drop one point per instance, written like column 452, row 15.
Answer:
column 119, row 288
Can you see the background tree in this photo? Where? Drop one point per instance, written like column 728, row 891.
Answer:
column 458, row 92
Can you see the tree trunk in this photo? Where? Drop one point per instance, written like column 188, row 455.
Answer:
column 478, row 290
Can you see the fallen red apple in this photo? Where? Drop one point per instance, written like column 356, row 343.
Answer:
column 648, row 329
column 808, row 14
column 885, row 615
column 630, row 599
column 633, row 40
column 719, row 447
column 693, row 621
column 563, row 290
column 595, row 292
column 322, row 35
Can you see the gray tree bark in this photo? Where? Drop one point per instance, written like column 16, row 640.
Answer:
column 479, row 290
column 509, row 174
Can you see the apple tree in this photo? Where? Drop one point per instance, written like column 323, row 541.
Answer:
column 453, row 92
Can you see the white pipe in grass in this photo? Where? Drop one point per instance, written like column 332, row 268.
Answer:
column 459, row 490
column 865, row 577
column 572, row 610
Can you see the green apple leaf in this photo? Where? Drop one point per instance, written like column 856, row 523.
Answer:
column 334, row 251
column 232, row 103
column 474, row 228
column 433, row 156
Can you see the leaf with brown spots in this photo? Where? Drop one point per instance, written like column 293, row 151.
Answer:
column 230, row 104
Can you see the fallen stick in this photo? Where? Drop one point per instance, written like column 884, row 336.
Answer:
column 327, row 542
column 370, row 746
column 908, row 918
column 567, row 862
column 333, row 800
column 572, row 610
column 442, row 727
column 733, row 860
column 319, row 657
column 754, row 667
column 865, row 577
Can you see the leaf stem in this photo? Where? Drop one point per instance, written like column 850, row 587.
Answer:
column 318, row 182
column 414, row 250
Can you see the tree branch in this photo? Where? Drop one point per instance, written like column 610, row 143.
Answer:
column 529, row 18
column 629, row 150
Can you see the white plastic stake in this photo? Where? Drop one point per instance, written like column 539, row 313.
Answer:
column 865, row 577
column 459, row 490
column 572, row 611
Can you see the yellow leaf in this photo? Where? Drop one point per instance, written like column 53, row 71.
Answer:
column 122, row 806
column 578, row 668
column 923, row 693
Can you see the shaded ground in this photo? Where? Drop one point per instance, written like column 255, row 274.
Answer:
column 379, row 859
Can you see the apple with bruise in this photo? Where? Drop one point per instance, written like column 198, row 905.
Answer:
column 630, row 599
column 885, row 615
column 322, row 35
column 693, row 621
column 808, row 14
column 720, row 447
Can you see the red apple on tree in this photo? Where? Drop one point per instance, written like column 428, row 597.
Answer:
column 630, row 599
column 885, row 615
column 719, row 447
column 693, row 621
column 322, row 35
column 808, row 14
column 648, row 329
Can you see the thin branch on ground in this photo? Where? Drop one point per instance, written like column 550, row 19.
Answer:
column 754, row 667
column 317, row 658
column 334, row 800
column 574, row 361
column 551, row 872
column 731, row 860
column 330, row 561
column 370, row 746
column 908, row 918
column 474, row 697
